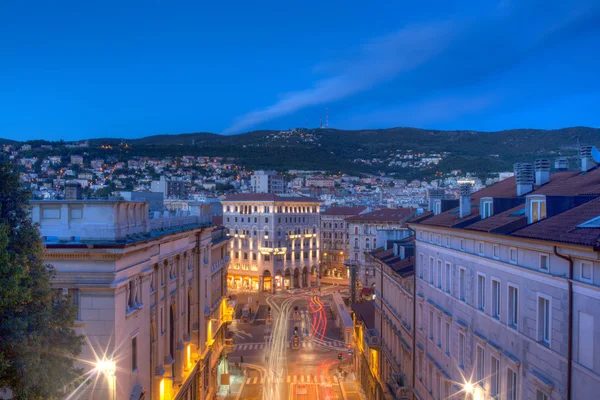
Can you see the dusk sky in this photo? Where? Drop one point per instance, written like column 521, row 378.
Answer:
column 80, row 69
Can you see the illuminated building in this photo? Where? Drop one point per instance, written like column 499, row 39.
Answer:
column 149, row 293
column 275, row 241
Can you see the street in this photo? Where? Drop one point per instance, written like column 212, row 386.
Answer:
column 294, row 353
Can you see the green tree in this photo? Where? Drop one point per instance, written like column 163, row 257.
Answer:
column 37, row 341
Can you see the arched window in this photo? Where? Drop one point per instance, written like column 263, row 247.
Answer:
column 374, row 243
column 356, row 230
column 367, row 243
column 356, row 243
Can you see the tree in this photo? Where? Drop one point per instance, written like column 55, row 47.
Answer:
column 37, row 341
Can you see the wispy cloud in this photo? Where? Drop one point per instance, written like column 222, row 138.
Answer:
column 380, row 60
column 434, row 64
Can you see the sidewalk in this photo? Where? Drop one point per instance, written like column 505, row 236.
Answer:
column 351, row 389
column 234, row 390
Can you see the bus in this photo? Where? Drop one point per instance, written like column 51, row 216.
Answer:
column 246, row 312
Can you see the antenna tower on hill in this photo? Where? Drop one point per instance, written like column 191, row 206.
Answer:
column 326, row 117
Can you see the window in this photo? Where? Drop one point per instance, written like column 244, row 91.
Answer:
column 437, row 207
column 537, row 210
column 494, row 378
column 587, row 274
column 439, row 332
column 481, row 292
column 512, row 255
column 462, row 245
column 431, row 325
column 544, row 262
column 421, row 265
column 461, row 350
column 480, row 368
column 541, row 396
column 496, row 253
column 421, row 317
column 511, row 385
column 134, row 354
column 586, row 340
column 447, row 340
column 448, row 277
column 543, row 313
column 513, row 307
column 431, row 270
column 486, row 210
column 439, row 274
column 447, row 241
column 462, row 284
column 495, row 298
column 480, row 248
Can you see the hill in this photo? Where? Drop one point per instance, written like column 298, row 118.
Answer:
column 366, row 151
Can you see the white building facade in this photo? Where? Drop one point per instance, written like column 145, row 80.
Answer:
column 508, row 291
column 143, row 290
column 267, row 182
column 275, row 241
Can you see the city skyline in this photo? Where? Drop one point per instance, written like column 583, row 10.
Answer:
column 80, row 71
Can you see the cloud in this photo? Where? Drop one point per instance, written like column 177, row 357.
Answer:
column 427, row 62
column 380, row 60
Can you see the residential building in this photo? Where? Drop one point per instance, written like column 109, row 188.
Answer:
column 172, row 189
column 320, row 181
column 394, row 299
column 276, row 241
column 363, row 236
column 508, row 289
column 335, row 239
column 367, row 350
column 77, row 160
column 150, row 301
column 267, row 182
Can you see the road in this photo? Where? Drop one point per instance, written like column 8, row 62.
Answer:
column 275, row 370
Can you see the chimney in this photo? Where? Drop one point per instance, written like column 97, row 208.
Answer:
column 396, row 249
column 524, row 178
column 561, row 164
column 465, row 200
column 435, row 194
column 587, row 162
column 542, row 171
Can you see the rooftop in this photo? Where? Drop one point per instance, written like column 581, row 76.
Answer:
column 365, row 312
column 349, row 211
column 270, row 197
column 384, row 215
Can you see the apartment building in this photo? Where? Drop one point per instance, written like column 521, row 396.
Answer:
column 508, row 289
column 394, row 299
column 335, row 239
column 267, row 182
column 150, row 303
column 363, row 236
column 275, row 241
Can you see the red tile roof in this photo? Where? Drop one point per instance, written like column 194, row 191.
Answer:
column 505, row 219
column 384, row 215
column 563, row 227
column 343, row 211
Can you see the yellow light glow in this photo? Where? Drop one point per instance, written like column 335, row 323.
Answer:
column 107, row 367
column 189, row 354
column 162, row 389
column 468, row 387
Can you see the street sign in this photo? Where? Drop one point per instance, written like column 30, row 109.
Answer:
column 350, row 351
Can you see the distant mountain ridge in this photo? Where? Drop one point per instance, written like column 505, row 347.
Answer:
column 338, row 150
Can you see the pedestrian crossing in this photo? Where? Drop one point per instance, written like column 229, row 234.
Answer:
column 307, row 379
column 304, row 345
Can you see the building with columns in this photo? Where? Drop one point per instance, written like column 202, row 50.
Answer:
column 335, row 239
column 275, row 241
column 150, row 295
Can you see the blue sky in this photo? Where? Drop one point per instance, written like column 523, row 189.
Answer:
column 79, row 69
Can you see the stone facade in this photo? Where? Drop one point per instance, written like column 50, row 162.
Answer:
column 143, row 290
column 275, row 241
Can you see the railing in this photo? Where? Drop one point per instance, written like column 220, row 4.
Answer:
column 162, row 224
column 219, row 264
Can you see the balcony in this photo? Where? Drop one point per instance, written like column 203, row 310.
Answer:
column 219, row 264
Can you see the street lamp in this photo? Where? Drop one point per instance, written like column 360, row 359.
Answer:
column 109, row 369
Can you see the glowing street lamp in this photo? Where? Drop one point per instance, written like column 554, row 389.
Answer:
column 109, row 369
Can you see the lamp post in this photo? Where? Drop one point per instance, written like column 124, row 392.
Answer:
column 109, row 368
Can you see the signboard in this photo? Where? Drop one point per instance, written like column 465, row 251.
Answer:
column 224, row 379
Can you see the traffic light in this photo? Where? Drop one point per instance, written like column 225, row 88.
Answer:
column 340, row 355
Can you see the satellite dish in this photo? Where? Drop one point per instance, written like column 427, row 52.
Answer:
column 596, row 154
